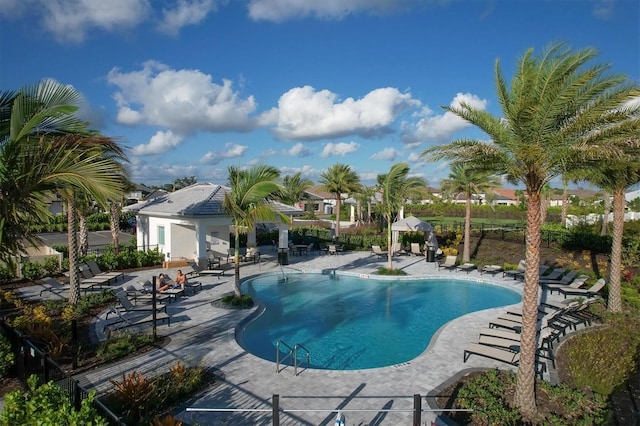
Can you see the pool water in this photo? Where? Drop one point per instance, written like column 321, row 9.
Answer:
column 350, row 323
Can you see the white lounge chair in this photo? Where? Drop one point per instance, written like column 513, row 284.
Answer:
column 518, row 272
column 449, row 263
column 587, row 292
column 415, row 249
column 467, row 267
column 490, row 269
column 378, row 251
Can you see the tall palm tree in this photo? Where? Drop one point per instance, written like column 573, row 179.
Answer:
column 250, row 201
column 615, row 178
column 395, row 188
column 339, row 179
column 40, row 153
column 468, row 181
column 294, row 189
column 553, row 112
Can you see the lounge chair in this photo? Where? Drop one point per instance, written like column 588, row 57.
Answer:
column 518, row 272
column 467, row 267
column 576, row 283
column 125, row 321
column 491, row 269
column 378, row 251
column 555, row 274
column 55, row 286
column 499, row 354
column 198, row 271
column 95, row 270
column 139, row 295
column 449, row 263
column 89, row 278
column 415, row 249
column 129, row 307
column 504, row 334
column 591, row 291
column 565, row 279
column 398, row 250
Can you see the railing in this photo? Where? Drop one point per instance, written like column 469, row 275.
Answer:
column 276, row 411
column 293, row 352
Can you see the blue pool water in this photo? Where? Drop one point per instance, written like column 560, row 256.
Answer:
column 349, row 323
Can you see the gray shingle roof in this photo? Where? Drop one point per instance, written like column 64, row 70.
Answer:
column 200, row 199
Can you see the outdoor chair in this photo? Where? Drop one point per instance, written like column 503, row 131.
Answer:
column 518, row 272
column 378, row 251
column 198, row 271
column 129, row 307
column 57, row 287
column 415, row 249
column 467, row 267
column 89, row 278
column 591, row 291
column 95, row 270
column 565, row 279
column 491, row 269
column 449, row 263
column 139, row 295
column 576, row 283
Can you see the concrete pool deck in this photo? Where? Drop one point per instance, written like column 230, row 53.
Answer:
column 201, row 334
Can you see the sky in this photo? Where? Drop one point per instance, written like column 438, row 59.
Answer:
column 190, row 87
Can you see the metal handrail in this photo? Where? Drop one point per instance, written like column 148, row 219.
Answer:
column 278, row 360
column 295, row 357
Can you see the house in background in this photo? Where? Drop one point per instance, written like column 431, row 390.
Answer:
column 188, row 223
column 141, row 193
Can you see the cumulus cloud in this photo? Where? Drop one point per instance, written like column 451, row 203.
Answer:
column 431, row 127
column 231, row 150
column 340, row 148
column 298, row 150
column 282, row 10
column 71, row 20
column 184, row 101
column 603, row 9
column 388, row 154
column 185, row 13
column 159, row 143
column 306, row 114
column 414, row 157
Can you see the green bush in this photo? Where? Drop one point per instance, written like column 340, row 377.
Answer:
column 51, row 265
column 385, row 271
column 122, row 344
column 32, row 271
column 7, row 358
column 6, row 274
column 47, row 405
column 244, row 301
column 603, row 370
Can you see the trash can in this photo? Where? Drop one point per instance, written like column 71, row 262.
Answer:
column 431, row 254
column 283, row 256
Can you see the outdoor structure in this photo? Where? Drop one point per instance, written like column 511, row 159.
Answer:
column 414, row 224
column 188, row 223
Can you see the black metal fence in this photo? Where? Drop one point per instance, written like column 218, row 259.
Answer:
column 31, row 360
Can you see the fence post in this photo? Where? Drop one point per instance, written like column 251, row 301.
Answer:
column 74, row 342
column 45, row 368
column 275, row 410
column 77, row 395
column 417, row 409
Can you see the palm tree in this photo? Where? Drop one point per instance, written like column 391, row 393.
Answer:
column 396, row 187
column 615, row 178
column 339, row 179
column 294, row 189
column 41, row 153
column 553, row 112
column 251, row 201
column 466, row 180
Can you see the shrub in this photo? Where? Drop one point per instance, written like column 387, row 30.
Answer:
column 51, row 265
column 47, row 405
column 385, row 271
column 32, row 271
column 7, row 358
column 603, row 370
column 122, row 344
column 244, row 301
column 6, row 274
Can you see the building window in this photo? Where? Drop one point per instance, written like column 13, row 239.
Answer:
column 160, row 234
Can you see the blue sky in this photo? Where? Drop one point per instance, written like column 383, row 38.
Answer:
column 192, row 86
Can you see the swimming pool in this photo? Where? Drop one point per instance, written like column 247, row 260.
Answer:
column 350, row 323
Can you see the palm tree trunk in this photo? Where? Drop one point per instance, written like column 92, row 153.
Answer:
column 337, row 215
column 466, row 248
column 525, row 397
column 74, row 278
column 389, row 246
column 615, row 301
column 368, row 211
column 565, row 206
column 605, row 217
column 236, row 264
column 114, row 222
column 84, row 235
column 544, row 206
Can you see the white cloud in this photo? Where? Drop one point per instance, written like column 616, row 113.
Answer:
column 387, row 154
column 340, row 148
column 231, row 150
column 281, row 10
column 440, row 127
column 298, row 150
column 414, row 157
column 184, row 101
column 185, row 13
column 72, row 20
column 159, row 143
column 305, row 114
column 603, row 9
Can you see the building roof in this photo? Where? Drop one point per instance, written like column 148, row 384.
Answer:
column 197, row 200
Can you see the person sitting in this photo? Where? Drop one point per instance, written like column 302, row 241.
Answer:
column 163, row 282
column 181, row 279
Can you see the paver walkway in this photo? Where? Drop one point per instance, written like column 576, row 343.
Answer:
column 201, row 334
